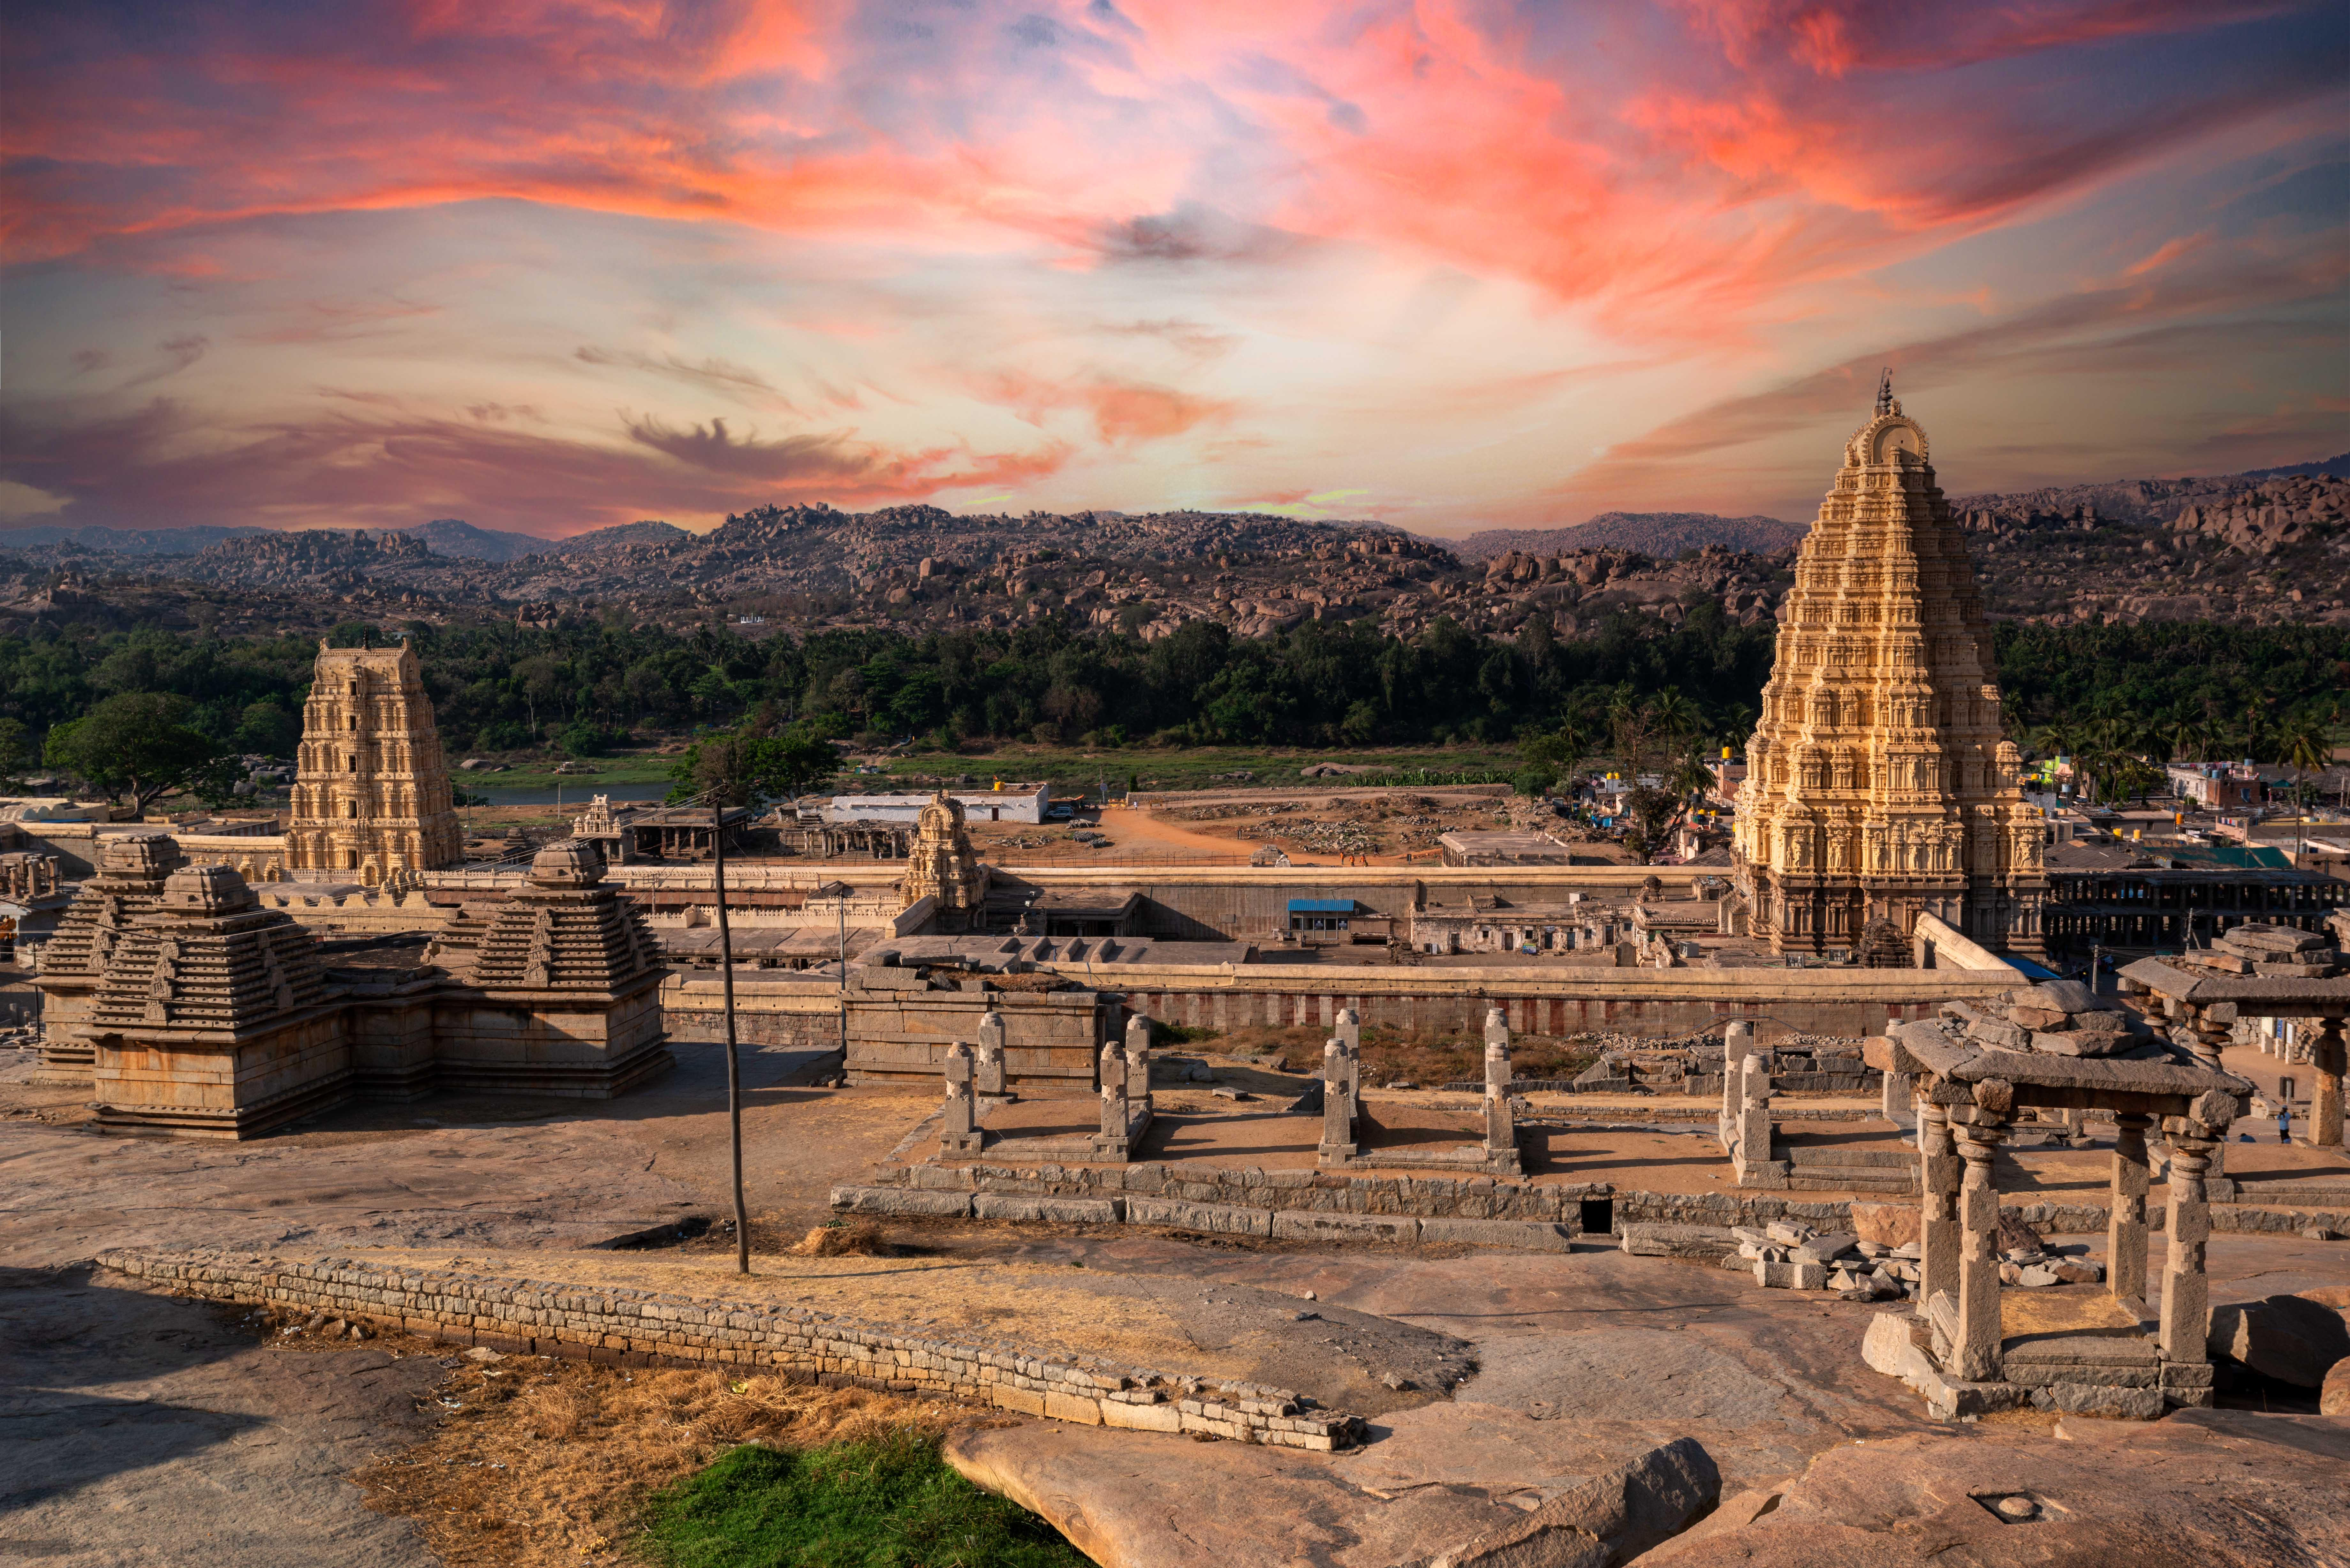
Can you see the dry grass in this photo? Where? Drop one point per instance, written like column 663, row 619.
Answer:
column 859, row 1239
column 539, row 1462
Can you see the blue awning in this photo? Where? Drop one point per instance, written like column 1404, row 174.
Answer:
column 2032, row 971
column 1321, row 906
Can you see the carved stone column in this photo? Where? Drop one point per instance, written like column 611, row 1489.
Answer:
column 2323, row 1127
column 1754, row 1153
column 1737, row 1041
column 1939, row 1169
column 1137, row 1060
column 1975, row 1356
column 1500, row 1131
column 1337, row 1106
column 991, row 1079
column 2126, row 1226
column 1899, row 1105
column 958, row 1130
column 2186, row 1290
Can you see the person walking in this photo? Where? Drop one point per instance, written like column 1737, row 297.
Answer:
column 2284, row 1120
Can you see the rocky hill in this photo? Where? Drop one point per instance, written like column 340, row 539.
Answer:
column 2257, row 549
column 1661, row 535
column 455, row 537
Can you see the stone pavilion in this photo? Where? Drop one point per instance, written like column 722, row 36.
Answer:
column 1878, row 787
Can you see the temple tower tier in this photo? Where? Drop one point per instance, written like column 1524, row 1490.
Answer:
column 371, row 797
column 1879, row 785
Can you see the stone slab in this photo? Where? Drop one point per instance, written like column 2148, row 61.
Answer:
column 1307, row 1225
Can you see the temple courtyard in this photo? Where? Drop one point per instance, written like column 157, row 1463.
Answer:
column 1482, row 1388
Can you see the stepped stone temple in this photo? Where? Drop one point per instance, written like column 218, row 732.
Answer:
column 73, row 963
column 1878, row 787
column 371, row 797
column 202, row 1014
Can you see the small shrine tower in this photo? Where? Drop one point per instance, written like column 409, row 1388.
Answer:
column 371, row 798
column 941, row 864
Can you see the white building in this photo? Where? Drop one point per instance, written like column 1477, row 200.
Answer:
column 1004, row 801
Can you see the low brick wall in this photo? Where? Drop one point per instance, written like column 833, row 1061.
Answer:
column 648, row 1327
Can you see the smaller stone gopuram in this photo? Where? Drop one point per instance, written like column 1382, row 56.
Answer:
column 1974, row 1069
column 941, row 865
column 131, row 873
column 371, row 798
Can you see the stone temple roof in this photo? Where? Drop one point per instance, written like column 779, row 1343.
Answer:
column 564, row 929
column 206, row 958
column 130, row 872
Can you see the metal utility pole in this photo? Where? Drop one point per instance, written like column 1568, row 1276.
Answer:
column 842, row 992
column 734, row 1067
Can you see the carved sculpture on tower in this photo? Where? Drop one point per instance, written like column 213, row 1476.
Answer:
column 371, row 798
column 1878, row 787
column 940, row 865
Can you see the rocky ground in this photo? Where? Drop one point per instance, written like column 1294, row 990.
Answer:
column 2260, row 550
column 152, row 1431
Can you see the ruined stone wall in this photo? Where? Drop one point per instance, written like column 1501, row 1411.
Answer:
column 1428, row 1000
column 644, row 1327
column 1327, row 1205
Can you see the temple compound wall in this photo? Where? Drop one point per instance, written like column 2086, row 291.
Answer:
column 1878, row 787
column 205, row 1015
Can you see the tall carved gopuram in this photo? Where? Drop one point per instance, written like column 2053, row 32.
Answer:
column 371, row 798
column 1878, row 787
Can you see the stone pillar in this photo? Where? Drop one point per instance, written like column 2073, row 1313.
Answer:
column 1752, row 1155
column 1137, row 1060
column 1938, row 1177
column 2322, row 1127
column 1500, row 1131
column 1975, row 1357
column 1736, row 1042
column 958, row 1130
column 1900, row 1104
column 1115, row 1119
column 1337, row 1106
column 2185, row 1291
column 1111, row 1065
column 2125, row 1227
column 1349, row 1028
column 990, row 1080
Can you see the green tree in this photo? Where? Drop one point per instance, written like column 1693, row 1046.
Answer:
column 743, row 769
column 137, row 746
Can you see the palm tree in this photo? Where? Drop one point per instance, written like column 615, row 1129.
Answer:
column 2303, row 749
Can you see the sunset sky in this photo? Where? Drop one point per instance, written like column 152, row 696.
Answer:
column 549, row 266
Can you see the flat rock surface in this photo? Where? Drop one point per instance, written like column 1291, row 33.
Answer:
column 135, row 1428
column 1155, row 1501
column 473, row 1170
column 2200, row 1489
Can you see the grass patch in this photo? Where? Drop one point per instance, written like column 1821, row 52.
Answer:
column 884, row 1503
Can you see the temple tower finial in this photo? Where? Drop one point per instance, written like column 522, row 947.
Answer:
column 1885, row 390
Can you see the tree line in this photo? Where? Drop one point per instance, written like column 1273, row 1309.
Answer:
column 585, row 686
